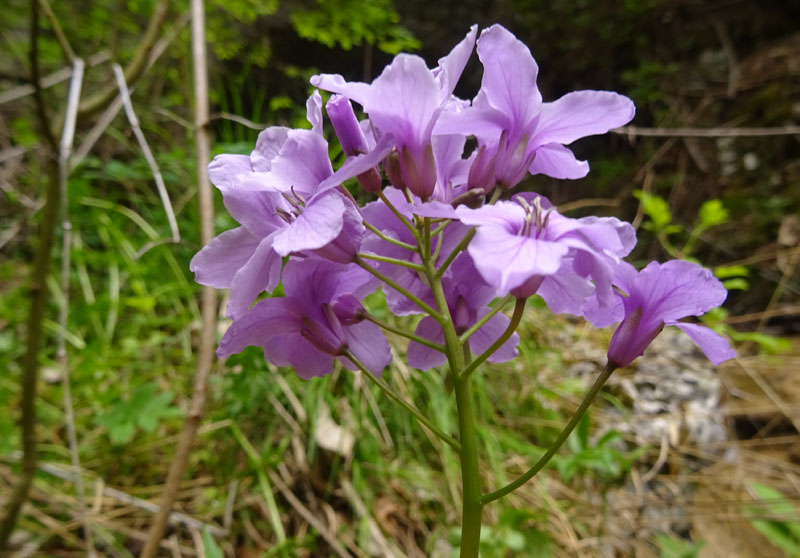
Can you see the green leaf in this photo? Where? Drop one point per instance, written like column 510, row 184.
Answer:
column 712, row 213
column 656, row 208
column 736, row 284
column 210, row 547
column 672, row 547
column 728, row 271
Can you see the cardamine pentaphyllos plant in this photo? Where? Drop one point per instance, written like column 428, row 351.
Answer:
column 445, row 236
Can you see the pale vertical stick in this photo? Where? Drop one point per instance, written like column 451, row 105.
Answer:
column 148, row 155
column 65, row 148
column 205, row 354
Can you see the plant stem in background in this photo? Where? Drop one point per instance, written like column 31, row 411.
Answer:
column 545, row 459
column 205, row 353
column 38, row 295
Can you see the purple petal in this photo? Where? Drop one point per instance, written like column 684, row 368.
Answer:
column 677, row 289
column 369, row 345
column 452, row 65
column 420, row 356
column 262, row 272
column 314, row 112
column 268, row 145
column 553, row 159
column 219, row 260
column 404, row 101
column 506, row 261
column 580, row 114
column 713, row 345
column 303, row 163
column 491, row 332
column 268, row 318
column 354, row 90
column 320, row 222
column 354, row 166
column 295, row 351
column 566, row 292
column 509, row 77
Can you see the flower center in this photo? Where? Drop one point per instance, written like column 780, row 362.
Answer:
column 536, row 217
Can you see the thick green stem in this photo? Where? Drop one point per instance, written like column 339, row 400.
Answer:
column 470, row 474
column 545, row 459
column 389, row 392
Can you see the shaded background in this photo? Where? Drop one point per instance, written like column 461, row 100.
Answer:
column 619, row 490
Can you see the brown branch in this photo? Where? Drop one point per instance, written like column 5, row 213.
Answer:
column 137, row 65
column 38, row 295
column 58, row 31
column 720, row 132
column 205, row 355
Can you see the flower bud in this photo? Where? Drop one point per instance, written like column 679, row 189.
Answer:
column 345, row 124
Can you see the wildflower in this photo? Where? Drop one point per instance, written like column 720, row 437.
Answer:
column 658, row 296
column 467, row 299
column 317, row 320
column 404, row 103
column 516, row 131
column 522, row 243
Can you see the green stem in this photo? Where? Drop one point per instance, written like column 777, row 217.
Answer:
column 402, row 402
column 399, row 215
column 456, row 251
column 573, row 422
column 488, row 316
column 470, row 474
column 403, row 291
column 377, row 232
column 519, row 309
column 393, row 261
column 389, row 327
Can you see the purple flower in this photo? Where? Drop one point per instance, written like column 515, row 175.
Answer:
column 516, row 132
column 314, row 323
column 658, row 296
column 404, row 102
column 378, row 214
column 467, row 299
column 243, row 259
column 522, row 244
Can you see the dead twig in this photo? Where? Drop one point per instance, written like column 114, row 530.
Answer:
column 65, row 149
column 38, row 296
column 50, row 80
column 148, row 155
column 205, row 355
column 706, row 132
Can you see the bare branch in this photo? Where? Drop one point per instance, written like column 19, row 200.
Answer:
column 707, row 132
column 148, row 155
column 65, row 148
column 205, row 354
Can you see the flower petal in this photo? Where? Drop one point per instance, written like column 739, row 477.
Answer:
column 262, row 272
column 553, row 159
column 420, row 356
column 713, row 345
column 369, row 345
column 268, row 145
column 267, row 319
column 219, row 260
column 677, row 289
column 320, row 223
column 509, row 77
column 302, row 164
column 580, row 114
column 491, row 332
column 314, row 112
column 452, row 65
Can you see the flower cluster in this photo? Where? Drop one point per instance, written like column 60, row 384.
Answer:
column 446, row 234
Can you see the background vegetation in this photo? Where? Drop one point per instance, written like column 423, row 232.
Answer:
column 282, row 467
